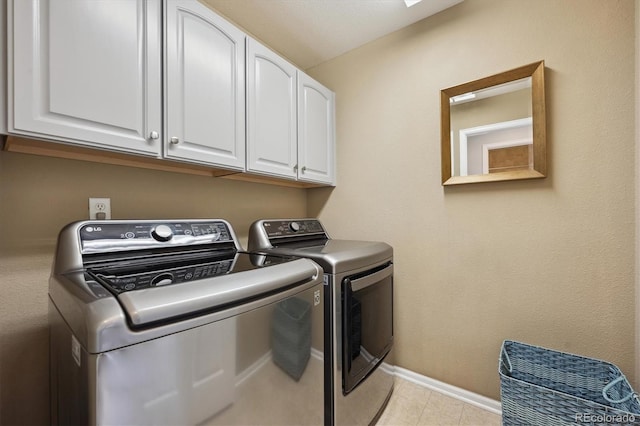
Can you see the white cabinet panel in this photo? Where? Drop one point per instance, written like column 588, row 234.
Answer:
column 3, row 67
column 87, row 71
column 163, row 78
column 271, row 112
column 204, row 85
column 316, row 134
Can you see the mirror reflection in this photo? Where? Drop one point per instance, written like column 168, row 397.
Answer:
column 493, row 128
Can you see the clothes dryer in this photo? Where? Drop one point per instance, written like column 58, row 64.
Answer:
column 358, row 280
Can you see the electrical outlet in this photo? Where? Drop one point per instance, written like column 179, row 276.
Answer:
column 98, row 207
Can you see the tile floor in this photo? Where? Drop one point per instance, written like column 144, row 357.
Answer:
column 412, row 405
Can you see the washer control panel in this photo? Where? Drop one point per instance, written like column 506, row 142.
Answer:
column 137, row 281
column 289, row 228
column 106, row 236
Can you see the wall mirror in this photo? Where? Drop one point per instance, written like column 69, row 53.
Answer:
column 494, row 129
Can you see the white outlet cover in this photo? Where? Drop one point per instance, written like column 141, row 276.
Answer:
column 99, row 205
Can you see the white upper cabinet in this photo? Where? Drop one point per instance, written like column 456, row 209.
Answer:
column 205, row 97
column 271, row 113
column 3, row 67
column 316, row 135
column 165, row 79
column 87, row 72
column 90, row 72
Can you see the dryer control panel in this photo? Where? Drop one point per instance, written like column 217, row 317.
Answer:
column 285, row 228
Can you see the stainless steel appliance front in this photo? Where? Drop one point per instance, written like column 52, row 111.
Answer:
column 367, row 323
column 182, row 351
column 359, row 277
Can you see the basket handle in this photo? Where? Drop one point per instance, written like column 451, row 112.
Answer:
column 609, row 386
column 505, row 356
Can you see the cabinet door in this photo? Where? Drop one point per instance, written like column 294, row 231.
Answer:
column 86, row 72
column 3, row 67
column 205, row 86
column 316, row 131
column 271, row 113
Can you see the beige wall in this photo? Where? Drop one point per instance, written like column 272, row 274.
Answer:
column 549, row 262
column 39, row 195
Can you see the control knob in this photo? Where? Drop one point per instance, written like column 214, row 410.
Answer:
column 294, row 226
column 162, row 233
column 162, row 279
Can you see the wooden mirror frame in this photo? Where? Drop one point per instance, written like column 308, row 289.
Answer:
column 539, row 170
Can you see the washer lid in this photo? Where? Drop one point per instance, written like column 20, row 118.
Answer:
column 338, row 256
column 104, row 320
column 156, row 304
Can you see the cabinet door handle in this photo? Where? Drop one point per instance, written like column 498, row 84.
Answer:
column 295, row 168
column 304, row 168
column 174, row 140
column 154, row 135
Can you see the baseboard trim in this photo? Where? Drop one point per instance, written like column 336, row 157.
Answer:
column 260, row 362
column 253, row 368
column 453, row 391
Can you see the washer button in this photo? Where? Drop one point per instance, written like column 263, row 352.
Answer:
column 162, row 233
column 162, row 279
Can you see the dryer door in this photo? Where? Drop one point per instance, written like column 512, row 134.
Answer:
column 367, row 335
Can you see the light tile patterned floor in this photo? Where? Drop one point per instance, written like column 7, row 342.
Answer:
column 413, row 405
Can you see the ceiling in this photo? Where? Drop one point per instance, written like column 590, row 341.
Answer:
column 309, row 32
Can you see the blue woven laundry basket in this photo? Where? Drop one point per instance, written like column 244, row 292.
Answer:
column 291, row 336
column 543, row 387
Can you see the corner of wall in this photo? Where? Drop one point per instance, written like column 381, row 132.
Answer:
column 637, row 192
